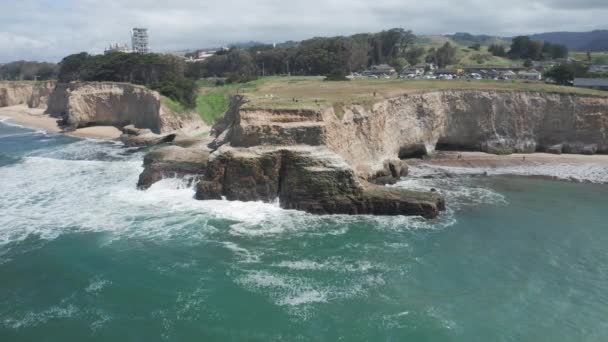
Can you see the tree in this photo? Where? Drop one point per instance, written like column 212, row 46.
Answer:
column 414, row 54
column 523, row 47
column 391, row 44
column 475, row 47
column 445, row 55
column 564, row 74
column 528, row 63
column 497, row 50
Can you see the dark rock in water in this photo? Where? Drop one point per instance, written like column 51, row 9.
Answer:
column 312, row 179
column 413, row 151
column 173, row 161
column 556, row 149
column 391, row 173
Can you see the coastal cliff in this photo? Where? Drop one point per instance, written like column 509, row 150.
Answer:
column 499, row 122
column 32, row 94
column 115, row 104
column 324, row 163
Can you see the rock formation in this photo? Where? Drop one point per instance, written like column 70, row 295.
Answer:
column 143, row 137
column 498, row 122
column 115, row 104
column 172, row 162
column 315, row 161
column 34, row 94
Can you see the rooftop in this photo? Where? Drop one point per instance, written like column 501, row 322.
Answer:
column 591, row 82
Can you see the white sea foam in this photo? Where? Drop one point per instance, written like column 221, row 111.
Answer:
column 97, row 285
column 32, row 318
column 89, row 186
column 333, row 264
column 587, row 172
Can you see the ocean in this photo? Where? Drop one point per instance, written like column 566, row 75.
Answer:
column 84, row 256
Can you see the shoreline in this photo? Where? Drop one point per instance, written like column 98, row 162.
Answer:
column 486, row 160
column 564, row 167
column 34, row 118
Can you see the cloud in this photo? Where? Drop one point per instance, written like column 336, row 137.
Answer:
column 50, row 29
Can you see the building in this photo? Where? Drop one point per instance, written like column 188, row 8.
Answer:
column 412, row 72
column 479, row 68
column 598, row 69
column 124, row 48
column 531, row 75
column 139, row 40
column 426, row 66
column 381, row 69
column 592, row 83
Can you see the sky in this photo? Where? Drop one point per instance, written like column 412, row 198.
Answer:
column 47, row 30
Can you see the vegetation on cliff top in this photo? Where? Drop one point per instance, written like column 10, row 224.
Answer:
column 314, row 93
column 163, row 73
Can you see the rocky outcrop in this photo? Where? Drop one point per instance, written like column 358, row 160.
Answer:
column 34, row 94
column 498, row 122
column 173, row 162
column 309, row 178
column 115, row 104
column 143, row 137
column 268, row 155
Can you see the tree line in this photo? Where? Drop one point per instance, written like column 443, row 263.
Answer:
column 322, row 56
column 28, row 71
column 522, row 47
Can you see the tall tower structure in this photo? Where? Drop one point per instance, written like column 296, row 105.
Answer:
column 139, row 40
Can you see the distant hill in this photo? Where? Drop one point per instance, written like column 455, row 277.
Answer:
column 577, row 41
column 483, row 39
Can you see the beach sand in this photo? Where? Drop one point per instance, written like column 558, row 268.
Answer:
column 485, row 160
column 36, row 119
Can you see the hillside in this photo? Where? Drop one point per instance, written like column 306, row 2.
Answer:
column 465, row 55
column 577, row 41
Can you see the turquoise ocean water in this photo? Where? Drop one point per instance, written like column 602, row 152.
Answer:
column 84, row 256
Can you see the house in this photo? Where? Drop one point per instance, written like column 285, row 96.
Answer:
column 469, row 69
column 381, row 69
column 531, row 75
column 426, row 66
column 508, row 75
column 412, row 72
column 598, row 69
column 592, row 83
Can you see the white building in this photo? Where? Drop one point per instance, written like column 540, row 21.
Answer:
column 117, row 48
column 139, row 40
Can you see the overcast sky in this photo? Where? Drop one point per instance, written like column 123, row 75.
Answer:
column 51, row 29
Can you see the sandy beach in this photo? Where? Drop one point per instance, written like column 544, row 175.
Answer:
column 485, row 160
column 36, row 119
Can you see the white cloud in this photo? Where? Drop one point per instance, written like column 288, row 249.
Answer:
column 50, row 29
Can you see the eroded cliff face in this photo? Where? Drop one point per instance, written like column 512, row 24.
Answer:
column 115, row 104
column 33, row 94
column 489, row 121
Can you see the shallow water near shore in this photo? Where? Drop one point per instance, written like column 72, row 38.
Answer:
column 85, row 256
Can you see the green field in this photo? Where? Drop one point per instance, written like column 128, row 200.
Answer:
column 596, row 57
column 314, row 92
